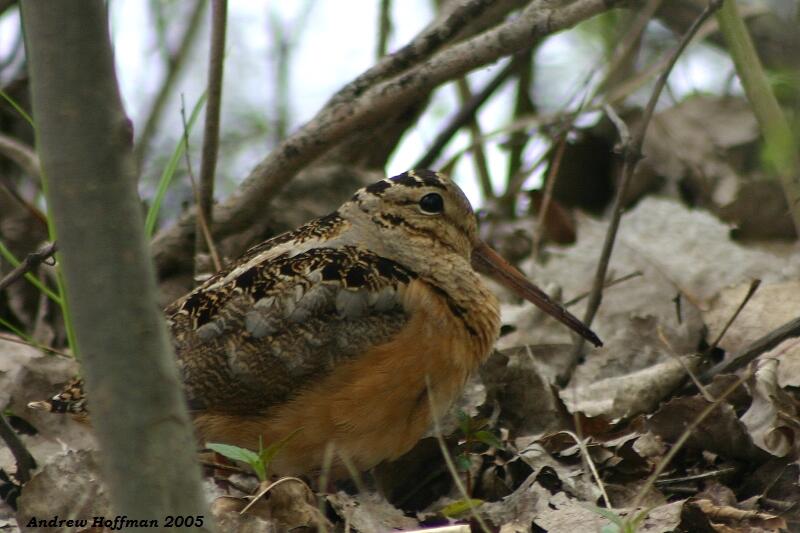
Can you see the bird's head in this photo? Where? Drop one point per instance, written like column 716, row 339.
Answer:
column 423, row 214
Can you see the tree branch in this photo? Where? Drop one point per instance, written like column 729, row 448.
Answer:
column 208, row 164
column 342, row 117
column 466, row 113
column 30, row 262
column 21, row 154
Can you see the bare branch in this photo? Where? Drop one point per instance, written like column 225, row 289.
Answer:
column 478, row 154
column 21, row 154
column 632, row 153
column 755, row 348
column 208, row 164
column 384, row 27
column 32, row 261
column 340, row 118
column 421, row 48
column 467, row 113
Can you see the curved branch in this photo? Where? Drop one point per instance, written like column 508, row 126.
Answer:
column 340, row 118
column 21, row 154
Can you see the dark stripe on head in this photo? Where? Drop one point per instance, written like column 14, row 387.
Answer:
column 406, row 179
column 429, row 178
column 378, row 187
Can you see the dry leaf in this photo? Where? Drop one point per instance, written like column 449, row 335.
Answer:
column 772, row 419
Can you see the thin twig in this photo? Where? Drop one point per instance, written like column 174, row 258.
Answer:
column 280, row 62
column 750, row 292
column 420, row 48
column 588, row 458
column 203, row 228
column 467, row 112
column 611, row 283
column 754, row 349
column 697, row 477
column 384, row 28
column 32, row 261
column 175, row 64
column 285, row 37
column 523, row 106
column 20, row 153
column 514, row 186
column 541, row 219
column 230, row 468
column 437, row 429
column 208, row 165
column 42, row 347
column 324, row 476
column 478, row 154
column 269, row 487
column 34, row 211
column 630, row 42
column 671, row 352
column 25, row 461
column 632, row 153
column 667, row 459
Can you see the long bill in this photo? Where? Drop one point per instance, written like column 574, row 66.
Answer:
column 487, row 261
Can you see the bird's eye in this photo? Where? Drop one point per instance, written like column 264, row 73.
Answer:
column 431, row 204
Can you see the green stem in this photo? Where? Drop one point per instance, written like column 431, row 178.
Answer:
column 781, row 151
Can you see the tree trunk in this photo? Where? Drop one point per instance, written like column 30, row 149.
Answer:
column 84, row 141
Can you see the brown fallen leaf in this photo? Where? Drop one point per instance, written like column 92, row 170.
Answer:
column 772, row 419
column 732, row 515
column 287, row 504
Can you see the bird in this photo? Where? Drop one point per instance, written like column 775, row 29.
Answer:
column 350, row 333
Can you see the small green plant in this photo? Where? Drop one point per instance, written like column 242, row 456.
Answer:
column 260, row 461
column 474, row 432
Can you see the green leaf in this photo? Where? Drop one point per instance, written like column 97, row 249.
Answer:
column 489, row 439
column 461, row 507
column 169, row 171
column 234, row 453
column 463, row 422
column 463, row 463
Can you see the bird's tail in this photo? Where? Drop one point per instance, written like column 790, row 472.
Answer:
column 71, row 400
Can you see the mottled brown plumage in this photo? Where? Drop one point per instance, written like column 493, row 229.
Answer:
column 337, row 328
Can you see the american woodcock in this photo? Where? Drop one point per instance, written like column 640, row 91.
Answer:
column 347, row 329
